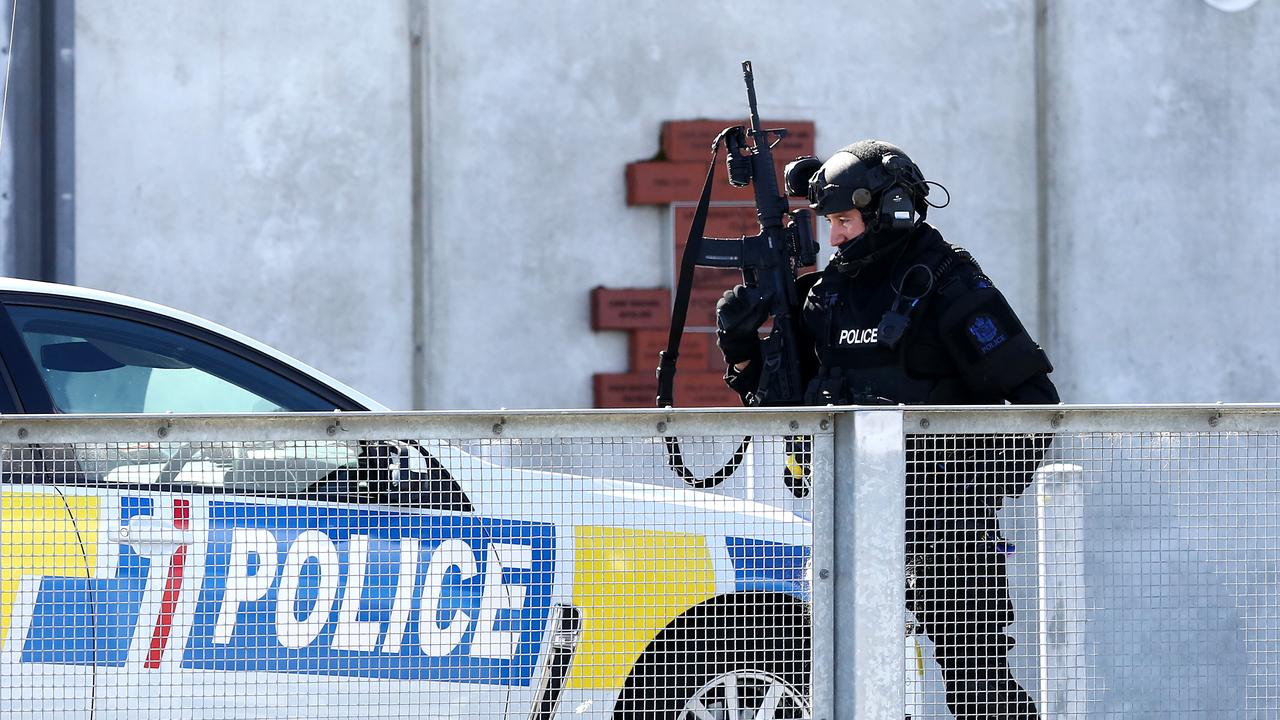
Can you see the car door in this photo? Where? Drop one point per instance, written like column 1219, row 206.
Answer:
column 74, row 355
column 70, row 356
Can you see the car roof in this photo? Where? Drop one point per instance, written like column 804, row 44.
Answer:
column 73, row 291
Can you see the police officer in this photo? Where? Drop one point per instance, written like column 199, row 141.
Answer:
column 900, row 316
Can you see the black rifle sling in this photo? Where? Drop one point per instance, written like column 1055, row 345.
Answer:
column 679, row 313
column 684, row 287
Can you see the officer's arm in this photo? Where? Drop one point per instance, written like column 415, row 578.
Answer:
column 992, row 351
column 1039, row 390
column 1016, row 457
column 744, row 377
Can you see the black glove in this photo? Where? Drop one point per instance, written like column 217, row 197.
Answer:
column 739, row 315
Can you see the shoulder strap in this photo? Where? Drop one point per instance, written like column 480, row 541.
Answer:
column 667, row 358
column 954, row 257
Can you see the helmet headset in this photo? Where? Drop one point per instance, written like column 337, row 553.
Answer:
column 874, row 177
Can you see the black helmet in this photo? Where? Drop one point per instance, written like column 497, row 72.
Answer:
column 858, row 175
column 876, row 178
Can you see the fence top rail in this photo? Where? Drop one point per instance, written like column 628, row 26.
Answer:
column 1182, row 418
column 457, row 425
column 679, row 422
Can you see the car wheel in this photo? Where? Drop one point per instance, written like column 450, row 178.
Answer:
column 754, row 665
column 753, row 694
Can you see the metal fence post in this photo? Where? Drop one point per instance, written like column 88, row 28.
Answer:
column 823, row 558
column 1060, row 570
column 869, row 592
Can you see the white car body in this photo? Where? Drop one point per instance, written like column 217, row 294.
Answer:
column 122, row 600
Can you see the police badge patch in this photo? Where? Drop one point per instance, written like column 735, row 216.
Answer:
column 987, row 334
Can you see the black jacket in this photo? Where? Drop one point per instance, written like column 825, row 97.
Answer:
column 963, row 343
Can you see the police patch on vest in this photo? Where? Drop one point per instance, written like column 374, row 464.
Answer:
column 986, row 333
column 858, row 336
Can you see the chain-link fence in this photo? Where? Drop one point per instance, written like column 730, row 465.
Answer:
column 532, row 566
column 1057, row 563
column 1137, row 573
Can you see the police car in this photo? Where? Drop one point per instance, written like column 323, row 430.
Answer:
column 368, row 579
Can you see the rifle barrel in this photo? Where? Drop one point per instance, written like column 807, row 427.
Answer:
column 751, row 95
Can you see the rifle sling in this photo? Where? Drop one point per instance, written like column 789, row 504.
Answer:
column 684, row 286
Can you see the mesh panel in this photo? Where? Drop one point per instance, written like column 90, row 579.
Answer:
column 481, row 577
column 1141, row 573
column 1080, row 574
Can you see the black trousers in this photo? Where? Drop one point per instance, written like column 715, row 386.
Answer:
column 960, row 597
column 958, row 588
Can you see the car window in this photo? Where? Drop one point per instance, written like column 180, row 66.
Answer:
column 93, row 363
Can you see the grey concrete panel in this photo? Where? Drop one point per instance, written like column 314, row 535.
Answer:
column 250, row 162
column 536, row 108
column 21, row 160
column 267, row 147
column 1163, row 201
column 8, row 245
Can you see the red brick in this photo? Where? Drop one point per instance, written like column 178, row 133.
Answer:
column 694, row 350
column 701, row 316
column 660, row 183
column 708, row 287
column 640, row 390
column 723, row 221
column 625, row 390
column 630, row 309
column 703, row 298
column 690, row 140
column 643, row 349
column 715, row 359
column 704, row 389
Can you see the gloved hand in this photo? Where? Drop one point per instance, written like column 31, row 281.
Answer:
column 739, row 315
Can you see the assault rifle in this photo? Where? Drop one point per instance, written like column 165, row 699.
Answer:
column 768, row 261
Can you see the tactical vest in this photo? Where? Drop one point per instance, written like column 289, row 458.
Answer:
column 844, row 314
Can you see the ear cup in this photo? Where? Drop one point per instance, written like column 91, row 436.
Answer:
column 897, row 210
column 897, row 204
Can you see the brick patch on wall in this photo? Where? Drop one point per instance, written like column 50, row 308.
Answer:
column 675, row 179
column 630, row 308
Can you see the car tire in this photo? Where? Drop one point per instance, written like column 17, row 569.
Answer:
column 745, row 660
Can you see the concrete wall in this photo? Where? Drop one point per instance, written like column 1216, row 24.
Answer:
column 250, row 163
column 1164, row 199
column 256, row 164
column 534, row 111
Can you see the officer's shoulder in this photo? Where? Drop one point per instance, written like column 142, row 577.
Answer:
column 958, row 273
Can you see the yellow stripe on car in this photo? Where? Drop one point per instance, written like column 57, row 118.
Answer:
column 38, row 537
column 629, row 584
